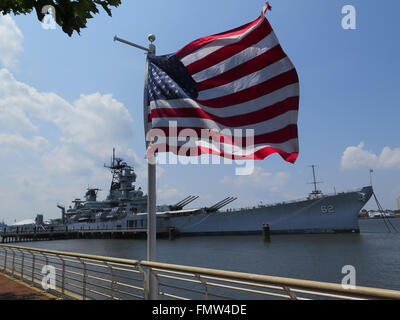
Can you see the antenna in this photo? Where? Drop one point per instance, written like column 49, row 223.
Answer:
column 316, row 191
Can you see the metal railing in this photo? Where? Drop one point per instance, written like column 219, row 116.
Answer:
column 82, row 276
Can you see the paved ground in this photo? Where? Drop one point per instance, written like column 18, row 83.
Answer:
column 11, row 289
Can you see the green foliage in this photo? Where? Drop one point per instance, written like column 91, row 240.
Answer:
column 70, row 15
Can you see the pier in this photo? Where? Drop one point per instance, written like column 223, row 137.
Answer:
column 45, row 235
column 89, row 277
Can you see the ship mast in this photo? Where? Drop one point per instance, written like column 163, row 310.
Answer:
column 315, row 191
column 116, row 170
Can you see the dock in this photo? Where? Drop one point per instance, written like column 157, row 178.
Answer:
column 45, row 235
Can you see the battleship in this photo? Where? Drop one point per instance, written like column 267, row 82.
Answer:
column 125, row 209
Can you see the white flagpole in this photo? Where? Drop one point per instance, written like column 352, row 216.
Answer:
column 152, row 290
column 151, row 194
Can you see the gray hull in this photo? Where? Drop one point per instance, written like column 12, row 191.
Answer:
column 336, row 213
column 324, row 214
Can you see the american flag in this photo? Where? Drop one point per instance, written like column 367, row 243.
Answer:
column 238, row 79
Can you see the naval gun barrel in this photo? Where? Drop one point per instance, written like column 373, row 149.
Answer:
column 216, row 205
column 221, row 204
column 182, row 201
column 191, row 199
column 225, row 202
column 179, row 205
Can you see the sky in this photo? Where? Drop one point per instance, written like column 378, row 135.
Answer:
column 65, row 102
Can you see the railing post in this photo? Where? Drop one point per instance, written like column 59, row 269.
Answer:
column 204, row 283
column 62, row 274
column 13, row 262
column 5, row 259
column 22, row 264
column 112, row 279
column 33, row 267
column 145, row 289
column 83, row 279
column 289, row 292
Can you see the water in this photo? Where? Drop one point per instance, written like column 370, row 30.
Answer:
column 374, row 253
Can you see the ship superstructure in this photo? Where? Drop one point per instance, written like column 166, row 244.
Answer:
column 123, row 198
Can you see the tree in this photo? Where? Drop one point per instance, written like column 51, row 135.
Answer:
column 69, row 15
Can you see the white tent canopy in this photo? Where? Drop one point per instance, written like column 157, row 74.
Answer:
column 24, row 222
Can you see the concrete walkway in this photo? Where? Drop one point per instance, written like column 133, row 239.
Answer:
column 12, row 289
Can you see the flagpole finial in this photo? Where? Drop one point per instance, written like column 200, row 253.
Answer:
column 152, row 47
column 266, row 8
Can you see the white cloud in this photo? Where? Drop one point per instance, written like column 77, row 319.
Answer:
column 62, row 160
column 17, row 143
column 93, row 124
column 259, row 179
column 97, row 122
column 70, row 141
column 355, row 157
column 168, row 193
column 10, row 41
column 12, row 118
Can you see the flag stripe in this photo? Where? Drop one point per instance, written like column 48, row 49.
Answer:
column 238, row 59
column 223, row 77
column 279, row 136
column 260, row 127
column 224, row 146
column 231, row 148
column 256, row 91
column 248, row 81
column 258, row 155
column 290, row 91
column 266, row 113
column 229, row 50
column 233, row 35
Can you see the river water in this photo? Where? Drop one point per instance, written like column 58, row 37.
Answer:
column 374, row 253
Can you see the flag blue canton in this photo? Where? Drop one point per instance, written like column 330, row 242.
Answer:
column 169, row 79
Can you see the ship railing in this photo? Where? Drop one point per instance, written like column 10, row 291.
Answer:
column 90, row 277
column 320, row 196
